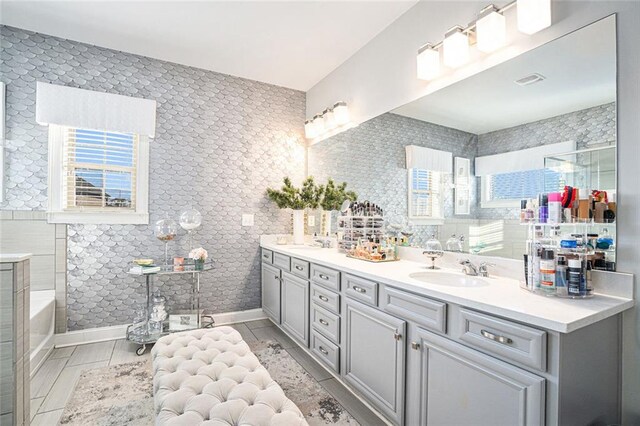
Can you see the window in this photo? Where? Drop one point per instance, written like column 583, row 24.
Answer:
column 507, row 189
column 97, row 176
column 425, row 196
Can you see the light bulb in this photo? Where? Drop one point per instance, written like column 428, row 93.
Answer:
column 455, row 47
column 428, row 62
column 491, row 30
column 329, row 119
column 341, row 113
column 309, row 129
column 318, row 124
column 533, row 15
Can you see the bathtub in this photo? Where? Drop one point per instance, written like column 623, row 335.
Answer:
column 42, row 312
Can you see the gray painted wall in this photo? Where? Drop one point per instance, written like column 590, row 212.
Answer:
column 371, row 159
column 220, row 141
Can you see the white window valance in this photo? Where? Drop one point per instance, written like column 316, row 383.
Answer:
column 419, row 157
column 521, row 160
column 86, row 109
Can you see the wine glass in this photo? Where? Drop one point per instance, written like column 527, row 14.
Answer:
column 166, row 230
column 189, row 220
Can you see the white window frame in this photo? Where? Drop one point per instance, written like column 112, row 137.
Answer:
column 56, row 212
column 487, row 203
column 423, row 220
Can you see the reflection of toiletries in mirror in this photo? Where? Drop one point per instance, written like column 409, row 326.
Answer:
column 523, row 211
column 561, row 276
column 584, row 204
column 543, row 208
column 535, row 265
column 530, row 213
column 555, row 207
column 575, row 277
column 599, row 211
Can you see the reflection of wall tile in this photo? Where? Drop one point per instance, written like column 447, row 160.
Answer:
column 220, row 142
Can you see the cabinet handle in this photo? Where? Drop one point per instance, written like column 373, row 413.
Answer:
column 415, row 345
column 277, row 277
column 323, row 350
column 299, row 268
column 496, row 338
column 323, row 322
column 359, row 289
column 397, row 336
column 323, row 298
column 323, row 276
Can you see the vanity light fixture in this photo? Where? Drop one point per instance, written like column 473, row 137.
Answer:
column 428, row 62
column 455, row 47
column 488, row 32
column 331, row 121
column 533, row 15
column 491, row 29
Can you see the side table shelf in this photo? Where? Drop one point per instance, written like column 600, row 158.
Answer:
column 142, row 334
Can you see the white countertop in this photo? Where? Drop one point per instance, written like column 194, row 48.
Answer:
column 502, row 296
column 14, row 257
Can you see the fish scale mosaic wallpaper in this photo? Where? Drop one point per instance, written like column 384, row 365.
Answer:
column 220, row 142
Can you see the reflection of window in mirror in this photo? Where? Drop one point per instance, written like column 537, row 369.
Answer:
column 507, row 189
column 425, row 197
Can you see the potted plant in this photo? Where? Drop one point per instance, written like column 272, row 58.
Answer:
column 297, row 199
column 333, row 198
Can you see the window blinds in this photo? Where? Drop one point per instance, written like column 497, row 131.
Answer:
column 99, row 169
column 425, row 194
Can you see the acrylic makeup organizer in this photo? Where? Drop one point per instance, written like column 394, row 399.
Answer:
column 142, row 334
column 357, row 228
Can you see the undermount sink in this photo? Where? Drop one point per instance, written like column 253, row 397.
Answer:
column 448, row 278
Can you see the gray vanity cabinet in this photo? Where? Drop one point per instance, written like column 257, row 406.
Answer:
column 373, row 356
column 295, row 307
column 449, row 383
column 271, row 291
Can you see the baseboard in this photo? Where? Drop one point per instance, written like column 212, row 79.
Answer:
column 103, row 334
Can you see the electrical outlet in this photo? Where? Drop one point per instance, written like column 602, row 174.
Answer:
column 311, row 220
column 247, row 220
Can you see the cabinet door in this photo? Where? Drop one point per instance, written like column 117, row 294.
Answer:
column 271, row 292
column 373, row 357
column 295, row 307
column 450, row 384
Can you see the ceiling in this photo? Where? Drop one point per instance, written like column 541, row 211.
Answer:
column 580, row 71
column 290, row 43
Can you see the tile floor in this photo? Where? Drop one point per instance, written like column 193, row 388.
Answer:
column 53, row 384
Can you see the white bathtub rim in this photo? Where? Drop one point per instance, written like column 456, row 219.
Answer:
column 36, row 366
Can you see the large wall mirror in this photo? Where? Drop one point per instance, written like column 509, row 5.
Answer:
column 461, row 160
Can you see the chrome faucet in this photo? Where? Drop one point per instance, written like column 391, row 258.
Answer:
column 482, row 269
column 469, row 268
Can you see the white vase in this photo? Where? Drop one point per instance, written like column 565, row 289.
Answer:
column 325, row 223
column 298, row 227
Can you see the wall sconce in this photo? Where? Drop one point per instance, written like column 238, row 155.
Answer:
column 488, row 32
column 455, row 47
column 428, row 62
column 331, row 121
column 533, row 15
column 491, row 29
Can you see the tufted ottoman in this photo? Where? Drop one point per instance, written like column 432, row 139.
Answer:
column 211, row 377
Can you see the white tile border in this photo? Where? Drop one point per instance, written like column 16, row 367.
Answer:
column 102, row 334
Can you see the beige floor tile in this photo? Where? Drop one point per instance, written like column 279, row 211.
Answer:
column 92, row 352
column 65, row 384
column 50, row 418
column 35, row 406
column 259, row 324
column 125, row 351
column 244, row 331
column 46, row 376
column 273, row 333
column 62, row 352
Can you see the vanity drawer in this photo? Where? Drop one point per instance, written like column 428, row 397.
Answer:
column 325, row 277
column 300, row 268
column 267, row 256
column 502, row 338
column 325, row 350
column 360, row 289
column 326, row 323
column 325, row 298
column 282, row 261
column 429, row 313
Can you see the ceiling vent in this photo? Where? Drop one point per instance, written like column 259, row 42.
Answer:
column 530, row 79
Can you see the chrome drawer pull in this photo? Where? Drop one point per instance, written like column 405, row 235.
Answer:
column 397, row 336
column 323, row 298
column 277, row 277
column 323, row 322
column 359, row 289
column 415, row 345
column 500, row 339
column 299, row 268
column 323, row 350
column 323, row 276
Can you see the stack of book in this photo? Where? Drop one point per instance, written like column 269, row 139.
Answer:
column 141, row 270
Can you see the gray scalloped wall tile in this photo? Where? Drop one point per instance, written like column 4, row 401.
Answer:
column 220, row 141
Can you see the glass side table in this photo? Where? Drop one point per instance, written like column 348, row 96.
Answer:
column 142, row 334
